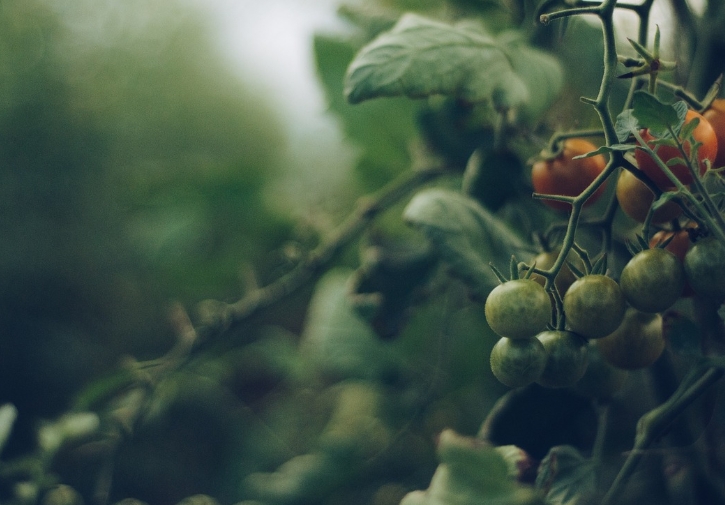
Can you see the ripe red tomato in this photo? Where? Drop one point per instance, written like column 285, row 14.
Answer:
column 566, row 176
column 715, row 114
column 704, row 133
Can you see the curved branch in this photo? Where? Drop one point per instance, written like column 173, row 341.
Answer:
column 218, row 317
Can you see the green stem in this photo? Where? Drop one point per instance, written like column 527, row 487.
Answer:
column 710, row 212
column 219, row 317
column 653, row 425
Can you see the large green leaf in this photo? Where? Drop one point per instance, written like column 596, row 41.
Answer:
column 420, row 57
column 381, row 130
column 540, row 72
column 467, row 236
column 659, row 117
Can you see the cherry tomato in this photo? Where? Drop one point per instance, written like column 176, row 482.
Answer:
column 652, row 280
column 715, row 114
column 635, row 200
column 704, row 133
column 517, row 363
column 567, row 358
column 637, row 343
column 518, row 309
column 705, row 268
column 594, row 306
column 566, row 176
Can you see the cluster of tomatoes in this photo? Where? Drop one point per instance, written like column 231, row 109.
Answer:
column 620, row 320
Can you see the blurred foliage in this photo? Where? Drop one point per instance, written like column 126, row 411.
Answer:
column 132, row 168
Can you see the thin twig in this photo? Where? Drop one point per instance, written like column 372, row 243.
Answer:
column 218, row 317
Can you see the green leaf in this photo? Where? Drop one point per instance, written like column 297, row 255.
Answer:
column 471, row 472
column 664, row 141
column 626, row 124
column 466, row 235
column 420, row 57
column 675, row 161
column 540, row 72
column 606, row 149
column 566, row 477
column 689, row 128
column 336, row 341
column 655, row 115
column 381, row 130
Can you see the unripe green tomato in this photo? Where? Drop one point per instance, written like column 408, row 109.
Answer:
column 637, row 343
column 567, row 358
column 518, row 309
column 652, row 280
column 594, row 306
column 705, row 268
column 516, row 363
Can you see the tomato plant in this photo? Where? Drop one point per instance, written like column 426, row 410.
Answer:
column 518, row 309
column 517, row 363
column 594, row 306
column 566, row 176
column 703, row 134
column 635, row 200
column 652, row 280
column 361, row 340
column 705, row 268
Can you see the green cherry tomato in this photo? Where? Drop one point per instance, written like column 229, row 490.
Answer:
column 652, row 280
column 705, row 268
column 566, row 358
column 637, row 343
column 518, row 309
column 594, row 306
column 516, row 363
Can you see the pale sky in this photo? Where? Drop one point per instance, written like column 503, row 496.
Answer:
column 271, row 41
